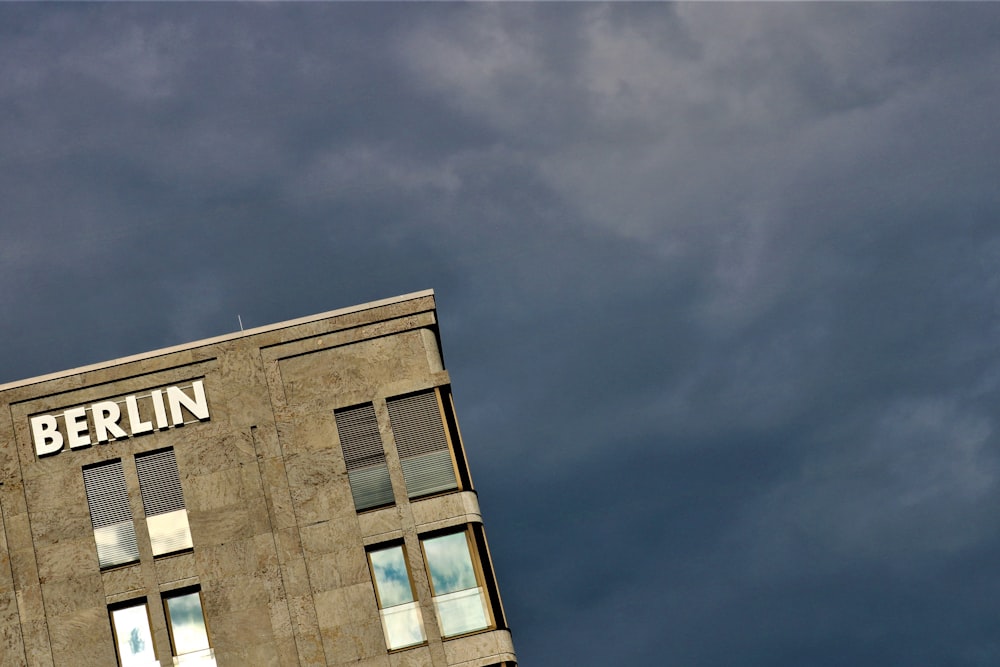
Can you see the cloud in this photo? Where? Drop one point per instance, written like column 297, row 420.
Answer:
column 717, row 283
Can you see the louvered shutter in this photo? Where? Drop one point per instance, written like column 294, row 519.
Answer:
column 110, row 513
column 364, row 456
column 422, row 444
column 163, row 502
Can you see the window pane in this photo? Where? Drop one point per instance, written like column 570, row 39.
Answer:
column 391, row 576
column 187, row 623
column 422, row 444
column 401, row 620
column 111, row 514
column 169, row 532
column 461, row 612
column 449, row 563
column 364, row 456
column 459, row 601
column 163, row 501
column 403, row 625
column 133, row 636
column 116, row 544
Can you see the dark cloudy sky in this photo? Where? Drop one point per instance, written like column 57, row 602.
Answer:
column 719, row 285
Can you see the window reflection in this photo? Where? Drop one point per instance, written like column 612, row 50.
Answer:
column 449, row 563
column 110, row 514
column 187, row 623
column 133, row 637
column 391, row 576
column 163, row 501
column 116, row 544
column 169, row 532
column 459, row 599
column 401, row 621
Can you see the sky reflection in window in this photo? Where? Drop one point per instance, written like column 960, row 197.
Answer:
column 391, row 578
column 187, row 623
column 449, row 563
column 133, row 636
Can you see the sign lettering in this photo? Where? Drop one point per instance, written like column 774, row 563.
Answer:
column 103, row 422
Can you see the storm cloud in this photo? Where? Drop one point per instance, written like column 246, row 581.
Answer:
column 718, row 284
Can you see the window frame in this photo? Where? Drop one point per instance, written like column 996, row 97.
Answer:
column 414, row 599
column 130, row 604
column 475, row 558
column 165, row 597
column 96, row 500
column 382, row 461
column 452, row 437
column 144, row 488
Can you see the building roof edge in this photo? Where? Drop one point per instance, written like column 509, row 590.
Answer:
column 217, row 339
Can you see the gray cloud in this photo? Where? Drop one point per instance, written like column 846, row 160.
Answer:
column 717, row 283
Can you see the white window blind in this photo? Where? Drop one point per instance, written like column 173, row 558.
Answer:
column 422, row 444
column 163, row 502
column 364, row 456
column 110, row 514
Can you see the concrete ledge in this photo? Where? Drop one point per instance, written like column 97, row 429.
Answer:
column 480, row 650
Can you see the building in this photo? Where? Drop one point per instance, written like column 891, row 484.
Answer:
column 296, row 494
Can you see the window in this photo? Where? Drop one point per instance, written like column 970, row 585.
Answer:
column 163, row 502
column 364, row 456
column 456, row 583
column 424, row 446
column 133, row 637
column 401, row 621
column 110, row 514
column 188, row 632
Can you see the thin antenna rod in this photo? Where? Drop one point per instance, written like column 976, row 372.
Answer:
column 241, row 321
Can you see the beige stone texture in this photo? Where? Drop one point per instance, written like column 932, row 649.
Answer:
column 344, row 567
column 68, row 595
column 37, row 647
column 82, row 637
column 381, row 525
column 274, row 480
column 221, row 526
column 214, row 490
column 75, row 558
column 413, row 657
column 309, row 476
column 347, row 643
column 234, row 630
column 378, row 661
column 11, row 645
column 478, row 650
column 446, row 510
column 12, row 497
column 54, row 519
column 176, row 568
column 347, row 605
column 122, row 581
column 364, row 369
column 302, row 610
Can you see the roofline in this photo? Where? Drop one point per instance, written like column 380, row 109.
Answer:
column 217, row 339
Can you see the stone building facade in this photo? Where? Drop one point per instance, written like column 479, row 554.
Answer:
column 296, row 494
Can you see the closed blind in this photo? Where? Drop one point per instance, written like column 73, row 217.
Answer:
column 422, row 444
column 110, row 514
column 163, row 501
column 159, row 482
column 364, row 456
